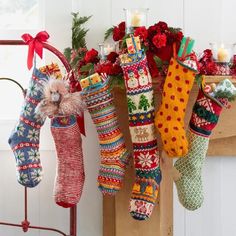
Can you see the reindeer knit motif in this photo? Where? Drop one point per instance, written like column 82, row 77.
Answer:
column 141, row 124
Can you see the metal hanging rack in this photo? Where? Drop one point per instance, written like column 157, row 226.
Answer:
column 25, row 224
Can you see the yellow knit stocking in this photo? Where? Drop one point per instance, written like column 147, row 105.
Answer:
column 170, row 118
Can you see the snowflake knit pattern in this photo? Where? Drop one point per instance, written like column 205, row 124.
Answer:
column 70, row 175
column 141, row 124
column 206, row 112
column 170, row 117
column 114, row 155
column 24, row 139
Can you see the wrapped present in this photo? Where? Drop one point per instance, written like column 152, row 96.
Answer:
column 51, row 70
column 91, row 80
column 227, row 86
column 133, row 45
column 185, row 47
column 130, row 58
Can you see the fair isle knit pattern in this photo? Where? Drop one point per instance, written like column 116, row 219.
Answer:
column 114, row 155
column 204, row 118
column 70, row 175
column 141, row 124
column 24, row 139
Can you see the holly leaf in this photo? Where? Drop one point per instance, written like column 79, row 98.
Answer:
column 174, row 30
column 158, row 61
column 198, row 79
column 87, row 67
column 108, row 33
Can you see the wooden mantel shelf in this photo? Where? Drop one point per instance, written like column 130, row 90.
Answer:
column 116, row 218
column 218, row 78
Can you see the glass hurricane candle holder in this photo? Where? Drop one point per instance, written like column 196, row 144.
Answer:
column 135, row 18
column 105, row 49
column 222, row 53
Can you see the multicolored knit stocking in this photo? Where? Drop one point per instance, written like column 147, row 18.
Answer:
column 114, row 155
column 141, row 124
column 170, row 117
column 70, row 177
column 206, row 112
column 24, row 140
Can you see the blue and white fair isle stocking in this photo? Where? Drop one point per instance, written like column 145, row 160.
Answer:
column 24, row 139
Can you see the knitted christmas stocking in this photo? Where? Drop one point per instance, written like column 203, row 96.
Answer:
column 114, row 155
column 24, row 139
column 69, row 180
column 204, row 118
column 170, row 118
column 141, row 124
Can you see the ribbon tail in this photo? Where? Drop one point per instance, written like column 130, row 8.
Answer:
column 80, row 121
column 39, row 48
column 30, row 55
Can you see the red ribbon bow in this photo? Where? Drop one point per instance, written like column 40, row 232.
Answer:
column 35, row 45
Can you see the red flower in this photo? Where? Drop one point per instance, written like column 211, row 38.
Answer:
column 152, row 31
column 208, row 53
column 152, row 64
column 119, row 31
column 161, row 26
column 141, row 32
column 159, row 40
column 109, row 68
column 105, row 68
column 91, row 56
column 116, row 69
column 179, row 36
column 211, row 68
column 112, row 57
column 121, row 26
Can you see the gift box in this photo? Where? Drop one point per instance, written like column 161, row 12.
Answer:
column 133, row 45
column 91, row 80
column 185, row 47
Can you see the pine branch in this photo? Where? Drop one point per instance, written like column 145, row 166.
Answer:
column 108, row 33
column 78, row 32
column 67, row 53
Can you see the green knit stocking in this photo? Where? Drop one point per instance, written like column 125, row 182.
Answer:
column 189, row 186
column 204, row 118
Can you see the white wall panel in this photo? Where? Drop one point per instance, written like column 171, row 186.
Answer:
column 202, row 21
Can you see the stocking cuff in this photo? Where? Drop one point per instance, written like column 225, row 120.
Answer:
column 205, row 115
